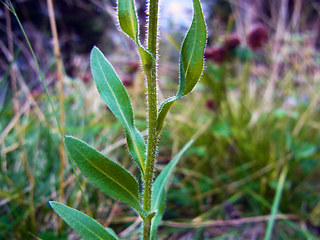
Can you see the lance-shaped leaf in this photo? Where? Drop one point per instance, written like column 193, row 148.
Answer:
column 107, row 175
column 159, row 213
column 191, row 61
column 159, row 190
column 110, row 231
column 193, row 48
column 87, row 227
column 128, row 18
column 115, row 96
column 129, row 24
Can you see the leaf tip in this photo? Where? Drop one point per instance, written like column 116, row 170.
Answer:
column 94, row 50
column 67, row 139
column 52, row 204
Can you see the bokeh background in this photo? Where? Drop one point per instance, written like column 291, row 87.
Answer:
column 255, row 116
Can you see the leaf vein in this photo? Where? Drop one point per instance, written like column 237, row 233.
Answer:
column 108, row 176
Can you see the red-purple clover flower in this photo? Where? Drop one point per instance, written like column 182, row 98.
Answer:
column 217, row 54
column 257, row 36
column 211, row 105
column 220, row 53
column 231, row 42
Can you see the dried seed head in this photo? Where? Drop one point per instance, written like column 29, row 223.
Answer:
column 257, row 36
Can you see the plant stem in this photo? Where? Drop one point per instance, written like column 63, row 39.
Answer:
column 152, row 114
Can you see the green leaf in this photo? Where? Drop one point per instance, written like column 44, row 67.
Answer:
column 305, row 150
column 107, row 175
column 87, row 227
column 128, row 18
column 159, row 191
column 129, row 24
column 146, row 59
column 110, row 230
column 159, row 213
column 115, row 96
column 193, row 48
column 191, row 61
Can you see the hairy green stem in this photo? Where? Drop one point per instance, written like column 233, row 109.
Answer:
column 152, row 114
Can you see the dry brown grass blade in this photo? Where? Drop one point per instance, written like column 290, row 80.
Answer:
column 257, row 174
column 57, row 54
column 222, row 223
column 23, row 85
column 25, row 107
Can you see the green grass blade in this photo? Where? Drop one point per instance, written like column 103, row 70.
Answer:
column 191, row 61
column 158, row 192
column 115, row 96
column 87, row 227
column 276, row 202
column 300, row 228
column 107, row 175
column 13, row 11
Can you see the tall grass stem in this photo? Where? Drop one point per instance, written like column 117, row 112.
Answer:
column 57, row 54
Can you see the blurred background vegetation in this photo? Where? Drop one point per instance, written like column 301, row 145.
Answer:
column 256, row 106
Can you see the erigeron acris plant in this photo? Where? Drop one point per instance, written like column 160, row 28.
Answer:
column 107, row 175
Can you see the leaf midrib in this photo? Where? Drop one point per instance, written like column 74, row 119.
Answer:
column 88, row 229
column 132, row 22
column 192, row 52
column 195, row 22
column 108, row 176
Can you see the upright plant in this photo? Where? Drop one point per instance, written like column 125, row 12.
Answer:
column 108, row 176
